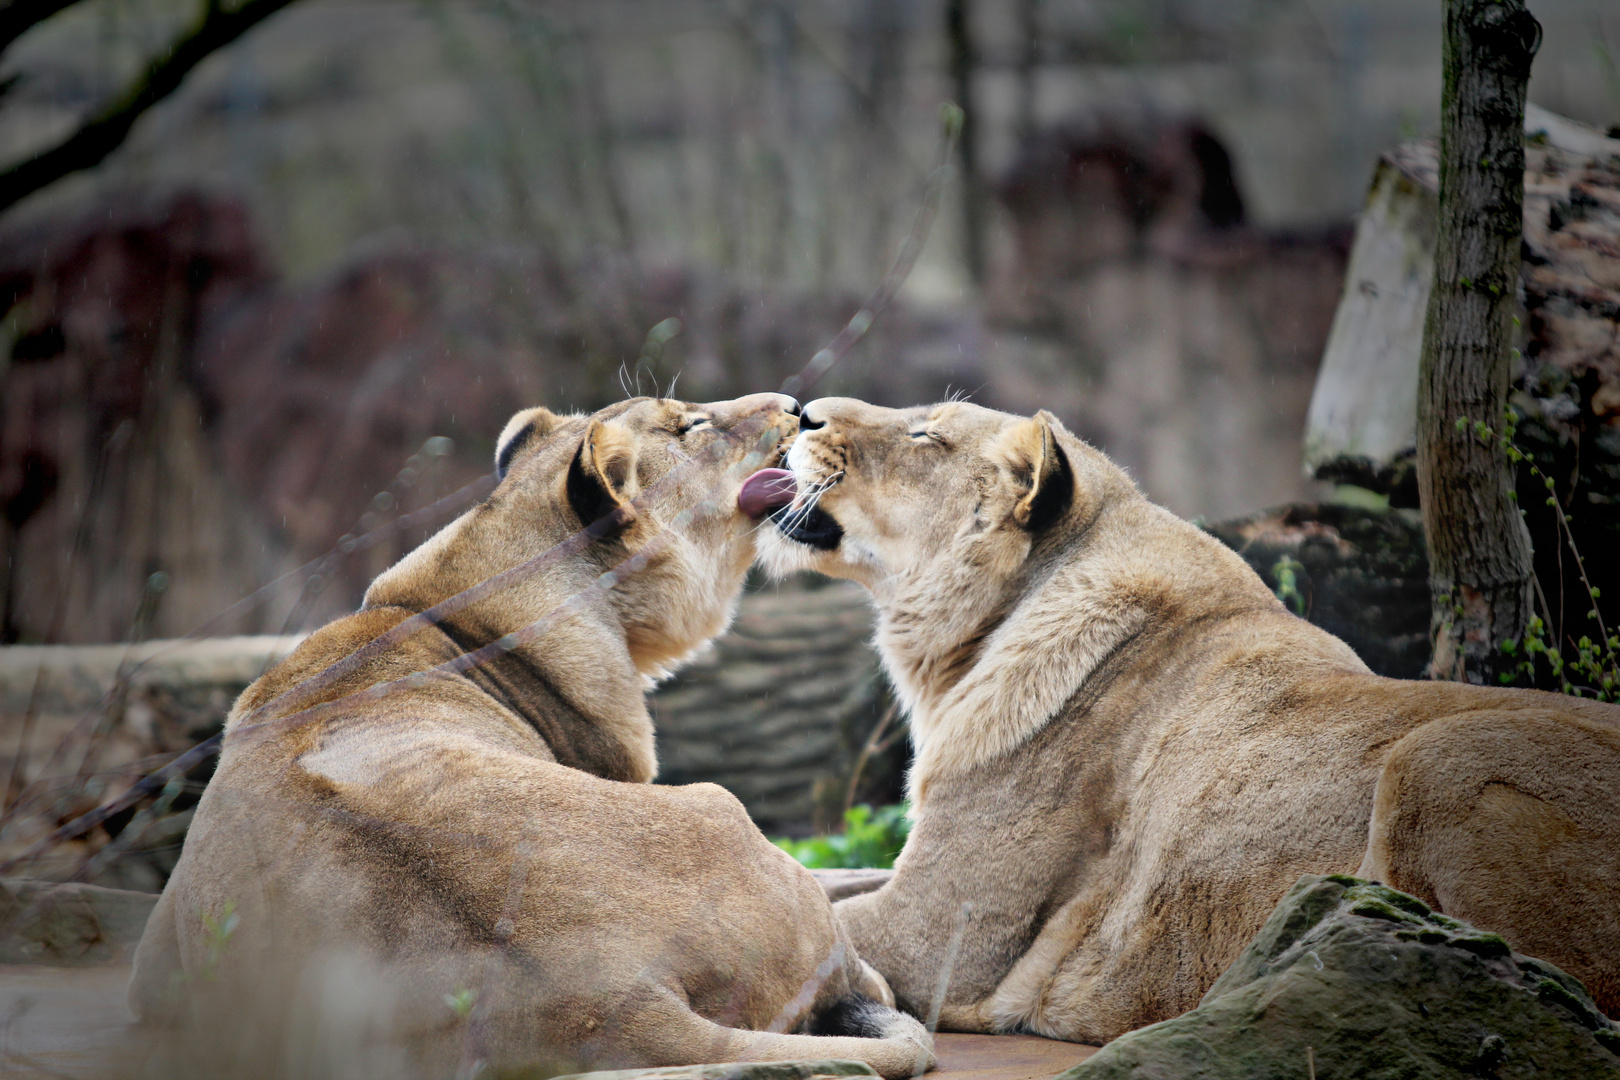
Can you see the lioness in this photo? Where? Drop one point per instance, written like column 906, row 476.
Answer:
column 470, row 867
column 1127, row 749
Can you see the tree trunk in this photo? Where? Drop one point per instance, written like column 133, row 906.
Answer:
column 1480, row 575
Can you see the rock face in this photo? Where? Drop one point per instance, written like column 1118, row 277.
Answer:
column 69, row 925
column 1195, row 336
column 103, row 447
column 192, row 427
column 777, row 711
column 1350, row 978
column 1361, row 427
column 1360, row 574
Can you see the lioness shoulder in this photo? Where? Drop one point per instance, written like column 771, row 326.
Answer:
column 1127, row 749
column 429, row 845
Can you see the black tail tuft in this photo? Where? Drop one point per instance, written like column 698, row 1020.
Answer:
column 856, row 1015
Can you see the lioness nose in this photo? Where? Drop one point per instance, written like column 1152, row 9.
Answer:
column 789, row 405
column 752, row 404
column 808, row 422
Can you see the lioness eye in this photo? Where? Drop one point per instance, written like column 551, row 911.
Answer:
column 694, row 423
column 927, row 436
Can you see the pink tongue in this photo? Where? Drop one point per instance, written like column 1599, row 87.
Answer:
column 765, row 491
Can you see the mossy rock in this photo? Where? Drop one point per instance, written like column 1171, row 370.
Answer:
column 1348, row 978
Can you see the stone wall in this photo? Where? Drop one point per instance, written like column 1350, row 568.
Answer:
column 782, row 710
column 1187, row 338
column 778, row 711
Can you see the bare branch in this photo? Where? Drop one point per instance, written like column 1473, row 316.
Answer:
column 216, row 27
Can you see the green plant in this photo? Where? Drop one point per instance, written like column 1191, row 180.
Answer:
column 871, row 839
column 461, row 1002
column 217, row 933
column 1286, row 571
column 1595, row 661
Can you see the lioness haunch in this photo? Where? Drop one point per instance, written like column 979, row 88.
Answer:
column 1128, row 749
column 472, row 867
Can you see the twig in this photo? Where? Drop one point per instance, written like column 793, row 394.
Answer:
column 872, row 747
column 16, row 782
column 947, row 967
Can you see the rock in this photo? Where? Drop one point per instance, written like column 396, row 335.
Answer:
column 778, row 709
column 1361, row 426
column 1350, row 978
column 1360, row 574
column 89, row 720
column 745, row 1070
column 71, row 925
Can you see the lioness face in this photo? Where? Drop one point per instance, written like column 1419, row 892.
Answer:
column 660, row 479
column 653, row 482
column 896, row 498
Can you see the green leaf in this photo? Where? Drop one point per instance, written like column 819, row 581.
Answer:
column 871, row 839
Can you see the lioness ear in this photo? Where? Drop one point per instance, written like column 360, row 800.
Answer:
column 528, row 428
column 599, row 476
column 1030, row 449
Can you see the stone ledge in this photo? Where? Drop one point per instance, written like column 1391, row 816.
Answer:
column 741, row 1070
column 840, row 884
column 71, row 925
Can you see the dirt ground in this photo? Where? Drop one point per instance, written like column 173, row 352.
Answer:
column 70, row 1022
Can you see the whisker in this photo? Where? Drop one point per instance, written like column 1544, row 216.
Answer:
column 808, row 501
column 800, row 508
column 794, row 515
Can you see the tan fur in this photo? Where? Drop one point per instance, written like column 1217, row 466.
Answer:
column 488, row 837
column 1128, row 750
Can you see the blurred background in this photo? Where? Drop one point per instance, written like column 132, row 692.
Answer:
column 266, row 346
